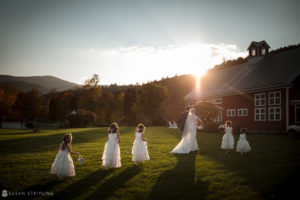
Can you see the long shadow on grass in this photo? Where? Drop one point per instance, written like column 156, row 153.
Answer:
column 116, row 182
column 80, row 187
column 179, row 182
column 45, row 186
column 271, row 168
column 42, row 143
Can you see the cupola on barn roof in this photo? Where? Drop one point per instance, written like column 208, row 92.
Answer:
column 257, row 51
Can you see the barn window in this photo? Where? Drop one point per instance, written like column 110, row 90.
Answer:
column 242, row 112
column 230, row 112
column 263, row 51
column 297, row 113
column 260, row 99
column 260, row 114
column 275, row 114
column 275, row 98
column 253, row 51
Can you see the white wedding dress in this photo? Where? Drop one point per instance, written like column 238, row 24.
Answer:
column 188, row 142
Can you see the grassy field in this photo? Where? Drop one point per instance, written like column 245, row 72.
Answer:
column 270, row 171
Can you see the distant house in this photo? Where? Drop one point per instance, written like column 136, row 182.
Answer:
column 262, row 93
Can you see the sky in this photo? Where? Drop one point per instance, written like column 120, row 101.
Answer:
column 129, row 42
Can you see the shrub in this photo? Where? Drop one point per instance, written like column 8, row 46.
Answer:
column 29, row 124
column 294, row 130
column 208, row 113
column 82, row 119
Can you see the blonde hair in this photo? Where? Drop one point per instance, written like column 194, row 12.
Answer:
column 228, row 123
column 140, row 127
column 67, row 140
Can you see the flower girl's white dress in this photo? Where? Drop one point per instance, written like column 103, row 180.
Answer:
column 63, row 164
column 111, row 155
column 139, row 149
column 243, row 144
column 228, row 140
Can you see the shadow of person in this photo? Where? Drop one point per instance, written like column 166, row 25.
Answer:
column 179, row 182
column 80, row 187
column 44, row 186
column 109, row 187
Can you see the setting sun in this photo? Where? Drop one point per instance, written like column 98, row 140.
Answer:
column 166, row 61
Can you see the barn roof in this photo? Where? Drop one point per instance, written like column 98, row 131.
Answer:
column 258, row 44
column 274, row 70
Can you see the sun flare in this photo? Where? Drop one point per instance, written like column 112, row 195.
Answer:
column 147, row 63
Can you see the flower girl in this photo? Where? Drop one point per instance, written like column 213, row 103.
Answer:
column 139, row 148
column 243, row 145
column 228, row 140
column 63, row 163
column 111, row 155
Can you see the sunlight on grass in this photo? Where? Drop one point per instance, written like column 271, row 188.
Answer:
column 26, row 158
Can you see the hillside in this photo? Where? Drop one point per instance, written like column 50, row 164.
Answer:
column 41, row 83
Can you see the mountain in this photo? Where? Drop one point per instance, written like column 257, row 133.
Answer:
column 41, row 83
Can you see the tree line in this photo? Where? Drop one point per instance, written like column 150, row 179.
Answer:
column 153, row 103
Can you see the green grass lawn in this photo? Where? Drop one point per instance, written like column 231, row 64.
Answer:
column 269, row 171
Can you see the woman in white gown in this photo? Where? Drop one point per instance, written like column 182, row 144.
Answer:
column 188, row 142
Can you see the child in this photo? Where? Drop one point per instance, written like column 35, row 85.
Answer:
column 243, row 145
column 63, row 163
column 111, row 155
column 139, row 148
column 228, row 140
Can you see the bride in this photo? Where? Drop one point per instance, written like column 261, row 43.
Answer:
column 188, row 142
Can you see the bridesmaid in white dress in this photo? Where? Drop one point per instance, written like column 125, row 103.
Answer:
column 243, row 145
column 63, row 164
column 228, row 140
column 188, row 142
column 139, row 148
column 111, row 155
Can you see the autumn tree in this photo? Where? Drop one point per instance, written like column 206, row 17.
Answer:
column 88, row 96
column 28, row 105
column 149, row 101
column 53, row 109
column 8, row 96
column 118, row 111
column 129, row 100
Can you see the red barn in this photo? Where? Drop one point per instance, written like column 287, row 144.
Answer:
column 262, row 93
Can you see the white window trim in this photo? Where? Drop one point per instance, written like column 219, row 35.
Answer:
column 232, row 111
column 269, row 99
column 258, row 94
column 269, row 113
column 259, row 114
column 242, row 109
column 297, row 106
